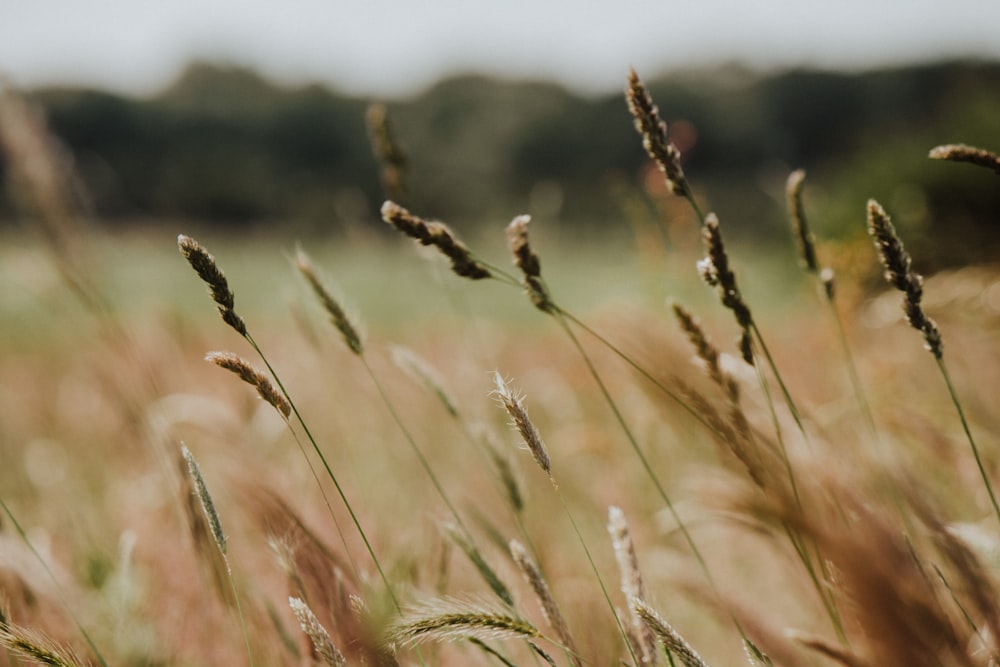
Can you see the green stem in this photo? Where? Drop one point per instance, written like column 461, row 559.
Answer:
column 24, row 537
column 239, row 609
column 329, row 472
column 968, row 434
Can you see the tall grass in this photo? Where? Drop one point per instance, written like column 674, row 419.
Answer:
column 846, row 517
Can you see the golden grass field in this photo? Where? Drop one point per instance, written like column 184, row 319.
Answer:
column 762, row 526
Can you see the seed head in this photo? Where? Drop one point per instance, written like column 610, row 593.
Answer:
column 654, row 134
column 205, row 266
column 900, row 274
column 438, row 235
column 970, row 154
column 253, row 376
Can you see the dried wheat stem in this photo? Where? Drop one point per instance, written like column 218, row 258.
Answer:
column 900, row 274
column 804, row 238
column 962, row 153
column 320, row 638
column 654, row 135
column 514, row 405
column 205, row 266
column 438, row 235
column 667, row 635
column 632, row 584
column 551, row 611
column 252, row 376
column 343, row 323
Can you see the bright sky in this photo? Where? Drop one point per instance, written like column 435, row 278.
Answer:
column 391, row 47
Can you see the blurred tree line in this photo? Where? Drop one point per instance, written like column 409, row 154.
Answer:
column 224, row 146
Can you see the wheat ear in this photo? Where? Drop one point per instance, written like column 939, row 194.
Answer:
column 438, row 235
column 205, row 266
column 346, row 325
column 668, row 636
column 632, row 583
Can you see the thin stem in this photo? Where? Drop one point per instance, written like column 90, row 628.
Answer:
column 781, row 383
column 239, row 609
column 329, row 472
column 597, row 573
column 968, row 434
column 31, row 547
column 638, row 450
column 852, row 369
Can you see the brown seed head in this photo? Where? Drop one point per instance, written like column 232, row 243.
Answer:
column 438, row 235
column 654, row 134
column 716, row 267
column 253, row 376
column 204, row 265
column 962, row 153
column 526, row 260
column 900, row 274
column 337, row 314
column 796, row 212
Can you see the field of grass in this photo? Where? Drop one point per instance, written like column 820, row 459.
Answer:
column 779, row 511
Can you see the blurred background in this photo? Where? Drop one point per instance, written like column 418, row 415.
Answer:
column 251, row 116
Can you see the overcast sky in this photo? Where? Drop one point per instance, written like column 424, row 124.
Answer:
column 393, row 47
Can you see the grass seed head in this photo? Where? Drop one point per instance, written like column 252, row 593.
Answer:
column 900, row 274
column 318, row 636
column 438, row 235
column 962, row 153
column 205, row 266
column 668, row 636
column 796, row 212
column 253, row 376
column 449, row 620
column 551, row 611
column 343, row 323
column 716, row 272
column 654, row 134
column 526, row 260
column 519, row 419
column 207, row 504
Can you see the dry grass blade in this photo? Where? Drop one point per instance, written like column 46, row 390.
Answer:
column 962, row 153
column 438, row 235
column 514, row 406
column 670, row 638
column 450, row 620
column 252, row 376
column 208, row 270
column 550, row 609
column 344, row 324
column 900, row 274
column 318, row 636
